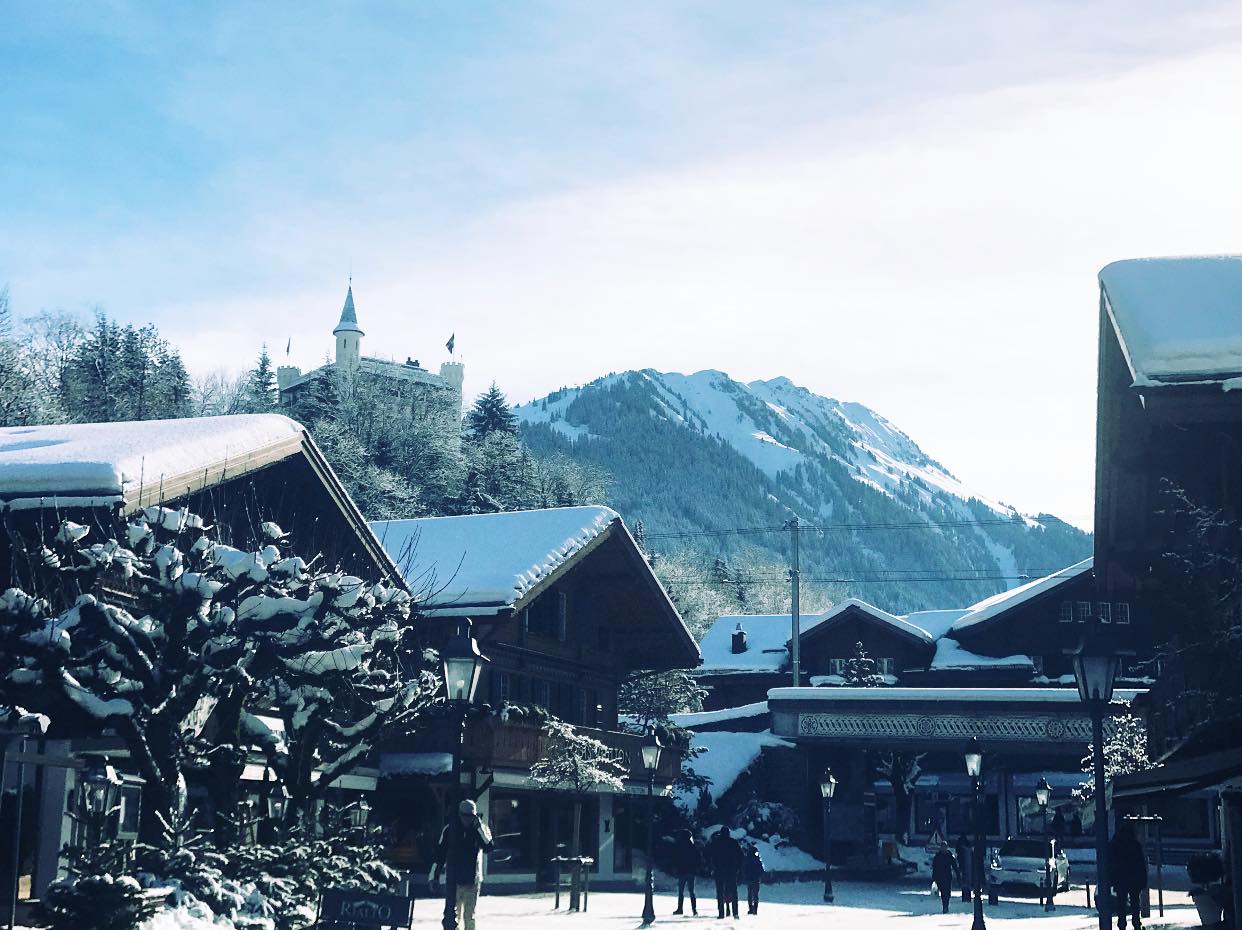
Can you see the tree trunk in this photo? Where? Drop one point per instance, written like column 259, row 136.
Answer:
column 575, row 881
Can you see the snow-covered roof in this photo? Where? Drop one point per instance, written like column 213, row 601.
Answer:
column 699, row 718
column 349, row 318
column 486, row 563
column 952, row 656
column 96, row 464
column 933, row 695
column 1178, row 319
column 997, row 604
column 935, row 622
column 900, row 624
column 767, row 636
column 728, row 755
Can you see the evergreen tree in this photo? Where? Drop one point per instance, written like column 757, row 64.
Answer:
column 261, row 391
column 650, row 699
column 491, row 414
column 860, row 671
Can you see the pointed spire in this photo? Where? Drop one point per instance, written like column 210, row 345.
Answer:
column 349, row 318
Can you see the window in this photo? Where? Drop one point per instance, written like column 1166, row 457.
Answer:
column 836, row 666
column 543, row 617
column 513, row 831
column 1106, row 611
column 1082, row 610
column 1121, row 612
column 540, row 693
column 885, row 666
column 504, row 688
column 1067, row 611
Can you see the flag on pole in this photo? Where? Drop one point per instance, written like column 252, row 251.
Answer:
column 288, row 345
column 451, row 342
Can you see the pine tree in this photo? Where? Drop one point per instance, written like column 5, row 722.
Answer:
column 860, row 671
column 491, row 414
column 261, row 391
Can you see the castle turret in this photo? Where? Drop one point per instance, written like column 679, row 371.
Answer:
column 454, row 375
column 286, row 375
column 348, row 335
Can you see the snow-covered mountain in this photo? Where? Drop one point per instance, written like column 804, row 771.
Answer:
column 703, row 451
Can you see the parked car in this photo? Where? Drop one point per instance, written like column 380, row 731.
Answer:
column 1025, row 861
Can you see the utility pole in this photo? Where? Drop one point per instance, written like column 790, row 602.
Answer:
column 794, row 615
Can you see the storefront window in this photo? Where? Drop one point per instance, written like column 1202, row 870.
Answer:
column 622, row 825
column 1186, row 818
column 512, row 831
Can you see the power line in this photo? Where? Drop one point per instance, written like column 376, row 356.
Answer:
column 829, row 528
column 707, row 582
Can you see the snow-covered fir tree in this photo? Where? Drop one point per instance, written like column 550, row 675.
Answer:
column 861, row 670
column 491, row 413
column 261, row 393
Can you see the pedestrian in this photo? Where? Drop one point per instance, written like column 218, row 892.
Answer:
column 943, row 868
column 965, row 866
column 725, row 855
column 1128, row 863
column 752, row 872
column 687, row 860
column 471, row 839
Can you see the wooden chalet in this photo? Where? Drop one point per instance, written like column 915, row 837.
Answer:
column 235, row 472
column 1169, row 437
column 565, row 607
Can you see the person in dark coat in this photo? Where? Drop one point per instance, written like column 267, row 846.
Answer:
column 752, row 874
column 725, row 855
column 1128, row 863
column 943, row 868
column 471, row 839
column 687, row 859
column 964, row 864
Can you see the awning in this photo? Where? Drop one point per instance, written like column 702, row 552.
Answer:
column 1182, row 777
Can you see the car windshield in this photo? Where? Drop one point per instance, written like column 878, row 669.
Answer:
column 1028, row 849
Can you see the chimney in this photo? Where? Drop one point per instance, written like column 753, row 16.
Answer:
column 739, row 639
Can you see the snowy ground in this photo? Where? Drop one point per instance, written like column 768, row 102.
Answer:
column 799, row 904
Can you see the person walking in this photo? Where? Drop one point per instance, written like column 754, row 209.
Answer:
column 725, row 855
column 964, row 865
column 1128, row 863
column 472, row 839
column 687, row 860
column 752, row 873
column 943, row 869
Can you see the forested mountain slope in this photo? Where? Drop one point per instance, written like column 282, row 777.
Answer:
column 690, row 453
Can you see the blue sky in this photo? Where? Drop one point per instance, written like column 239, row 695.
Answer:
column 902, row 204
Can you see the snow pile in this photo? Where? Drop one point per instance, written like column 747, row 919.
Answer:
column 1177, row 318
column 109, row 460
column 727, row 757
column 488, row 560
column 690, row 721
column 951, row 655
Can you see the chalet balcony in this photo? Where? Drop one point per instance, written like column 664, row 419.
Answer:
column 496, row 744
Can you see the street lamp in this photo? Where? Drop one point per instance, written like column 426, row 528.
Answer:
column 827, row 788
column 462, row 663
column 1095, row 669
column 360, row 812
column 651, row 747
column 1043, row 793
column 974, row 768
column 101, row 792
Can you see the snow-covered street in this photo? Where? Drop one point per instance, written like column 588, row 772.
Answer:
column 797, row 904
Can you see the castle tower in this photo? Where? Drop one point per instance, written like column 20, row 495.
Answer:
column 454, row 375
column 348, row 335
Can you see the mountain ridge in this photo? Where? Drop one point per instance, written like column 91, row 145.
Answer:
column 703, row 452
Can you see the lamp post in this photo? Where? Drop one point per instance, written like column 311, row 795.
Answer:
column 1095, row 669
column 462, row 662
column 651, row 747
column 974, row 768
column 1043, row 793
column 101, row 794
column 827, row 788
